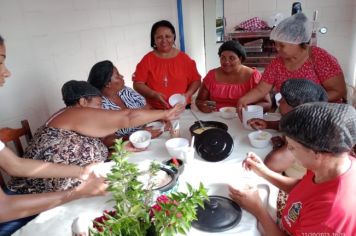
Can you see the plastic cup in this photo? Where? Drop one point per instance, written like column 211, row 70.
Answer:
column 187, row 154
column 251, row 111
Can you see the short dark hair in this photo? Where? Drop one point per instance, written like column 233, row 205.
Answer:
column 162, row 23
column 235, row 47
column 1, row 40
column 100, row 74
column 73, row 90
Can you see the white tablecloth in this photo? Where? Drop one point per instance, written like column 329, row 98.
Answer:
column 57, row 221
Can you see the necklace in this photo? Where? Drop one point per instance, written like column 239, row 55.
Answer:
column 165, row 81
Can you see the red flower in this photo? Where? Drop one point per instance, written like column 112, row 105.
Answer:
column 101, row 220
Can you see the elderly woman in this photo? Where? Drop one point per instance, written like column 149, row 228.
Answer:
column 165, row 70
column 294, row 92
column 297, row 59
column 320, row 136
column 226, row 84
column 115, row 95
column 72, row 135
column 15, row 208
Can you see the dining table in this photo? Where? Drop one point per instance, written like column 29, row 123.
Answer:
column 58, row 221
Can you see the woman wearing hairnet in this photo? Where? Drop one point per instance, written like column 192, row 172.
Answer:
column 321, row 136
column 297, row 59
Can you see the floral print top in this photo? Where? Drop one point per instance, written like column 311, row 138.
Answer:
column 59, row 146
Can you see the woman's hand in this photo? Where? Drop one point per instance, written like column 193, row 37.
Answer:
column 257, row 123
column 161, row 98
column 154, row 131
column 93, row 186
column 254, row 163
column 174, row 113
column 87, row 170
column 248, row 199
column 206, row 106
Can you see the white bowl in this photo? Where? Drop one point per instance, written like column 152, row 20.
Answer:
column 259, row 139
column 175, row 146
column 176, row 99
column 228, row 112
column 140, row 139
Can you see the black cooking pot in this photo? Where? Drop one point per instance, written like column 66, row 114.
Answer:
column 214, row 144
column 215, row 124
column 219, row 214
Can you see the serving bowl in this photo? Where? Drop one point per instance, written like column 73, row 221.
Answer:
column 228, row 112
column 175, row 146
column 140, row 139
column 259, row 139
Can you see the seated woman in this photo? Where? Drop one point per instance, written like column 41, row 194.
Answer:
column 294, row 92
column 320, row 135
column 165, row 70
column 298, row 59
column 72, row 135
column 116, row 96
column 17, row 210
column 223, row 86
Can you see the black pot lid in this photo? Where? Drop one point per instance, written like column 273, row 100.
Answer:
column 219, row 214
column 214, row 144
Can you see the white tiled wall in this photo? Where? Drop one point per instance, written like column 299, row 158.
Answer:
column 50, row 42
column 338, row 16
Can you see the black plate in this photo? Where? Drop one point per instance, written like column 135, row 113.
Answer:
column 219, row 214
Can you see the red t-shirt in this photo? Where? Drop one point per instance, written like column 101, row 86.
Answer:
column 166, row 75
column 330, row 207
column 318, row 68
column 226, row 94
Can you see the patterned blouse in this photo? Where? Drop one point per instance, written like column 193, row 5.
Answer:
column 320, row 67
column 59, row 146
column 132, row 100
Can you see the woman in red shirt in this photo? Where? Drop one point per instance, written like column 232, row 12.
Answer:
column 165, row 70
column 297, row 59
column 320, row 135
column 226, row 84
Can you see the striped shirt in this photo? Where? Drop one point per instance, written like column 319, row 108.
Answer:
column 132, row 100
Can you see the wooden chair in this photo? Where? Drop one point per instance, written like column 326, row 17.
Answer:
column 11, row 135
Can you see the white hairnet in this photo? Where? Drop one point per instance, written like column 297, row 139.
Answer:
column 295, row 29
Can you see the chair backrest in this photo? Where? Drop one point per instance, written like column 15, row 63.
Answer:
column 10, row 135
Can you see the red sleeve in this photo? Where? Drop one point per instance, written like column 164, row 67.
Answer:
column 270, row 73
column 141, row 72
column 326, row 66
column 208, row 79
column 194, row 74
column 256, row 77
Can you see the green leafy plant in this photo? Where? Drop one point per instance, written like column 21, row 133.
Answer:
column 135, row 213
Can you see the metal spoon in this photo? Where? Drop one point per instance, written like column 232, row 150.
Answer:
column 196, row 117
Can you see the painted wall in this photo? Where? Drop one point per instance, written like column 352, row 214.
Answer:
column 337, row 15
column 50, row 42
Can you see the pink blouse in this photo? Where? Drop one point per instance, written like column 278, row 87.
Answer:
column 320, row 67
column 226, row 94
